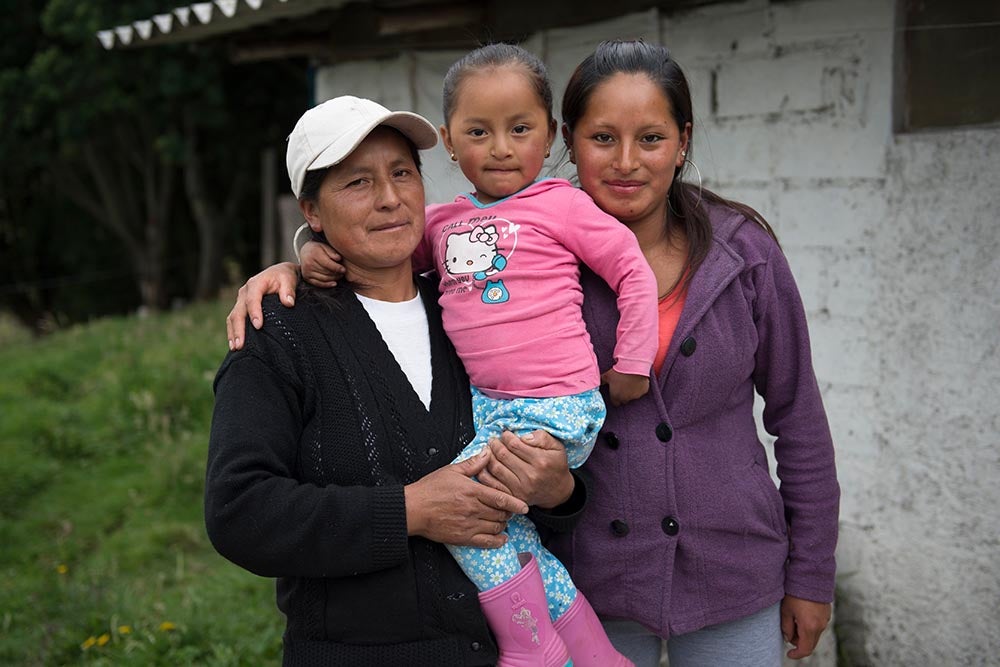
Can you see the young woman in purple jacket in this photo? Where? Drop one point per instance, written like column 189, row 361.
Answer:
column 685, row 537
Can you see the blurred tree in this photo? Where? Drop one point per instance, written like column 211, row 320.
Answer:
column 157, row 146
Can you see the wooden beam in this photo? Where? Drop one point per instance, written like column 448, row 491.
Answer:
column 299, row 48
column 415, row 20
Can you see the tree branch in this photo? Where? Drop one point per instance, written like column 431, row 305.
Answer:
column 113, row 216
column 241, row 181
column 130, row 144
column 68, row 182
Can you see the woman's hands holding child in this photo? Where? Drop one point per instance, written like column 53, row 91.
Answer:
column 533, row 468
column 450, row 507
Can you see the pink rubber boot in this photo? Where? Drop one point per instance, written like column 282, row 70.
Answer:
column 518, row 615
column 584, row 635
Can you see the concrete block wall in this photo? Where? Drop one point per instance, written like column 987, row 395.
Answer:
column 936, row 527
column 896, row 248
column 896, row 251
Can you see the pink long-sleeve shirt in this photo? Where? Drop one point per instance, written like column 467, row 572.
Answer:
column 510, row 289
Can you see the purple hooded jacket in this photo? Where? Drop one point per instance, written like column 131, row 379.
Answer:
column 684, row 527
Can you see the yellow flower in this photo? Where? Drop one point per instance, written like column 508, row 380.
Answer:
column 88, row 642
column 167, row 626
column 124, row 630
column 103, row 639
column 61, row 568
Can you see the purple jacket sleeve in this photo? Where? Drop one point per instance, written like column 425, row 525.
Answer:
column 794, row 414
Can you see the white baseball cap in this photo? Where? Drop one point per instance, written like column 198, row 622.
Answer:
column 330, row 131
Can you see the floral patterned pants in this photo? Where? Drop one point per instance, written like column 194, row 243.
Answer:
column 575, row 420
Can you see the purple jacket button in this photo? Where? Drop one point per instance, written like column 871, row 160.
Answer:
column 670, row 526
column 688, row 346
column 619, row 527
column 612, row 440
column 664, row 432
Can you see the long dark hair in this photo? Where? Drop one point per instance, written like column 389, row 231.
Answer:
column 686, row 202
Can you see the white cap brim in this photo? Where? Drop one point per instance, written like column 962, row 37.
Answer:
column 328, row 133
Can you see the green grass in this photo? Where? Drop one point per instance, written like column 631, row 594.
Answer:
column 103, row 554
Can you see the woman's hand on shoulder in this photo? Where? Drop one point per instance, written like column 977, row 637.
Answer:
column 450, row 507
column 321, row 264
column 279, row 278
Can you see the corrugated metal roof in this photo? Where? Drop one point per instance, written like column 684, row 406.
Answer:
column 204, row 19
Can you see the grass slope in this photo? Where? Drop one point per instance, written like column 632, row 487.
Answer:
column 103, row 554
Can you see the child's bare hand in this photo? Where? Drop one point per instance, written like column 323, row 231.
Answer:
column 623, row 388
column 321, row 264
column 280, row 278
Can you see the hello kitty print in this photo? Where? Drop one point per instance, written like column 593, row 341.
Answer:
column 474, row 254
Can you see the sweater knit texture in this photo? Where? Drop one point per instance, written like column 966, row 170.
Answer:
column 316, row 430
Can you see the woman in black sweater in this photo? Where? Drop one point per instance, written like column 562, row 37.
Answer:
column 334, row 423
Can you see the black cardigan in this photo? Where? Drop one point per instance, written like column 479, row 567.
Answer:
column 316, row 430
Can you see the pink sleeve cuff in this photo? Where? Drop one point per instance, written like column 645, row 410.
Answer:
column 633, row 366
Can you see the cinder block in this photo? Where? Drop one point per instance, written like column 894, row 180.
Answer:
column 717, row 31
column 795, row 22
column 842, row 214
column 700, row 84
column 757, row 196
column 852, row 413
column 816, row 150
column 854, row 288
column 771, row 85
column 844, row 350
column 736, row 152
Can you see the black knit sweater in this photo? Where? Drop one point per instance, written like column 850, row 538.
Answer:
column 316, row 430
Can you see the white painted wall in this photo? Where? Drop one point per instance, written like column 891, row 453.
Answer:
column 895, row 244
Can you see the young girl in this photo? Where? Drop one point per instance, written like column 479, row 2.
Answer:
column 507, row 256
column 508, row 260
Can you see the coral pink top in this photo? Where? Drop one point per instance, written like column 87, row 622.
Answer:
column 669, row 308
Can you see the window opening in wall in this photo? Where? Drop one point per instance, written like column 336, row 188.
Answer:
column 947, row 64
